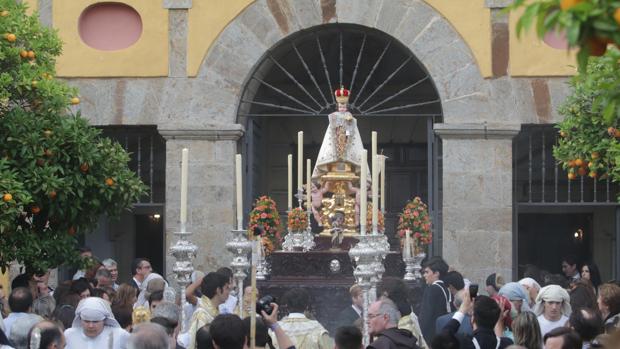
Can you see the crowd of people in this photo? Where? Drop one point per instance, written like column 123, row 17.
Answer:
column 571, row 311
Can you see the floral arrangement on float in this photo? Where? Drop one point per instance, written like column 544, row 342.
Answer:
column 380, row 220
column 265, row 216
column 297, row 220
column 415, row 219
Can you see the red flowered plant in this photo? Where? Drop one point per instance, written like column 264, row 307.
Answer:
column 297, row 220
column 380, row 220
column 415, row 218
column 265, row 216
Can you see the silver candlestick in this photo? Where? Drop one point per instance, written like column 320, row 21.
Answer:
column 184, row 252
column 240, row 247
column 364, row 256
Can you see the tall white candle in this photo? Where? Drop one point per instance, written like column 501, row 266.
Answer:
column 300, row 160
column 363, row 192
column 184, row 164
column 308, row 184
column 407, row 247
column 239, row 184
column 289, row 201
column 383, row 184
column 375, row 184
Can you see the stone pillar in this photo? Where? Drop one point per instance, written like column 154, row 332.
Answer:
column 477, row 198
column 177, row 36
column 211, row 192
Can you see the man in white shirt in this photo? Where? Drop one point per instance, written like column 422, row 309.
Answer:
column 20, row 302
column 552, row 307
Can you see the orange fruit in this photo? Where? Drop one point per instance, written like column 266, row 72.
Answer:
column 562, row 134
column 571, row 163
column 31, row 54
column 592, row 165
column 75, row 100
column 52, row 194
column 617, row 15
column 592, row 174
column 4, row 13
column 617, row 133
column 7, row 197
column 571, row 175
column 578, row 162
column 611, row 131
column 567, row 4
column 109, row 181
column 10, row 37
column 35, row 209
column 23, row 53
column 582, row 171
column 84, row 167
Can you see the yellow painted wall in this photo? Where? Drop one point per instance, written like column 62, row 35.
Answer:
column 147, row 57
column 530, row 56
column 207, row 19
column 33, row 5
column 473, row 23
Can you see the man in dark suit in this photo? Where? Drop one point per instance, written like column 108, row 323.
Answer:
column 351, row 313
column 140, row 269
column 486, row 313
column 437, row 299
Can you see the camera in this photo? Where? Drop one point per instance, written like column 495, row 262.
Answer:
column 264, row 304
column 473, row 291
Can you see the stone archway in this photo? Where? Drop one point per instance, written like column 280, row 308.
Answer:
column 431, row 38
column 476, row 135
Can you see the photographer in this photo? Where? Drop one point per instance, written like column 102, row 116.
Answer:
column 262, row 336
column 486, row 314
column 305, row 333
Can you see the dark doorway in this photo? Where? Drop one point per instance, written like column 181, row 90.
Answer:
column 546, row 238
column 150, row 240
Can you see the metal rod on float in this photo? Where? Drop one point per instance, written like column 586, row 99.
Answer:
column 255, row 247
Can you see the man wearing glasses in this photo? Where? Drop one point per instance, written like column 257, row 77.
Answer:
column 140, row 268
column 383, row 316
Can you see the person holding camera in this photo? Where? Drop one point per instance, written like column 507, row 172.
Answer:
column 305, row 333
column 486, row 316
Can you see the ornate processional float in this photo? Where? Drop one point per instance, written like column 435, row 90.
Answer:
column 335, row 195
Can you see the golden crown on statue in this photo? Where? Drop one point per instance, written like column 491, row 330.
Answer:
column 342, row 95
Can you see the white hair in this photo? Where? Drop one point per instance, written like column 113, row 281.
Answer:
column 388, row 307
column 109, row 262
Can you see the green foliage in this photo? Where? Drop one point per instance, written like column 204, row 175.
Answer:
column 588, row 137
column 590, row 25
column 59, row 174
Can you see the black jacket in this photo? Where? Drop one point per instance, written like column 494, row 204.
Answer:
column 433, row 306
column 394, row 338
column 486, row 338
column 347, row 317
